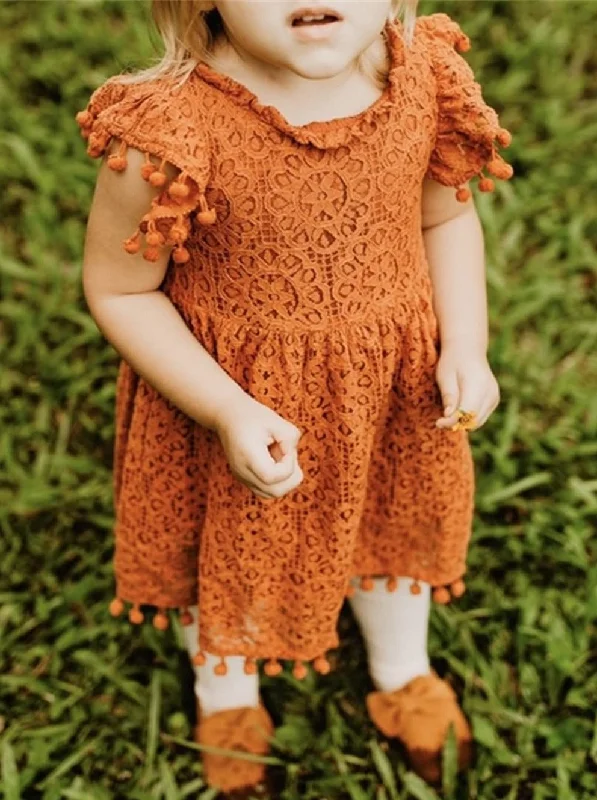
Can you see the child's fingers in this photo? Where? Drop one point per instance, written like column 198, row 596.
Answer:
column 286, row 436
column 480, row 417
column 470, row 401
column 448, row 421
column 282, row 449
column 447, row 382
column 276, row 451
column 449, row 401
column 472, row 395
column 450, row 392
column 266, row 470
column 451, row 412
column 278, row 490
column 277, row 461
column 489, row 406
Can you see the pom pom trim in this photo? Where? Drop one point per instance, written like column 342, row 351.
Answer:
column 168, row 221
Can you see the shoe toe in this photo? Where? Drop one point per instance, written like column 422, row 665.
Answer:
column 243, row 730
column 419, row 715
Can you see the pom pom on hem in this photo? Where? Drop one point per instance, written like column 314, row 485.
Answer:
column 199, row 659
column 116, row 607
column 272, row 668
column 441, row 595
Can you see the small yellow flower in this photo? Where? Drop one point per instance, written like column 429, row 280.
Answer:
column 467, row 421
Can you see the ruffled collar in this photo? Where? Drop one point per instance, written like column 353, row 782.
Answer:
column 328, row 134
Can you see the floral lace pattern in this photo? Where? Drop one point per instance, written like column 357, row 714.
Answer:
column 299, row 264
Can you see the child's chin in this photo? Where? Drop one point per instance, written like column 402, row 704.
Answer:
column 317, row 68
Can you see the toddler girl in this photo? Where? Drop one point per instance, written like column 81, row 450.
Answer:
column 301, row 316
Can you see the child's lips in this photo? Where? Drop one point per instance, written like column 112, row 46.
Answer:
column 314, row 22
column 314, row 32
column 314, row 11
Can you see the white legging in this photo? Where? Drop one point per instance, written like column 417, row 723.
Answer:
column 394, row 626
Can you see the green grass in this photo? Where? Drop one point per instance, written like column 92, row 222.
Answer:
column 93, row 709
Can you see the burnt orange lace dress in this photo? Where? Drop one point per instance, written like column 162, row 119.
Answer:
column 298, row 262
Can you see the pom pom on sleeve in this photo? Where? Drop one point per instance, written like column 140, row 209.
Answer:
column 153, row 117
column 468, row 130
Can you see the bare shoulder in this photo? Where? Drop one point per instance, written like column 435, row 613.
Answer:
column 439, row 204
column 120, row 200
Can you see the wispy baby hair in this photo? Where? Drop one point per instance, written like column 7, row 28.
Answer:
column 188, row 29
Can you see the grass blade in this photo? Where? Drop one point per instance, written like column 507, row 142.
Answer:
column 10, row 776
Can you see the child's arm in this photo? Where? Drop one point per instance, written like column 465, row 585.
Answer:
column 454, row 246
column 123, row 295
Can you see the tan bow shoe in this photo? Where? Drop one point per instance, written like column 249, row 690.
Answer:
column 245, row 730
column 419, row 714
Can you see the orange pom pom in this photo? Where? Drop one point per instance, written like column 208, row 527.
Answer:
column 199, row 659
column 441, row 595
column 415, row 588
column 160, row 621
column 147, row 170
column 321, row 665
column 486, row 185
column 180, row 255
column 299, row 670
column 367, row 584
column 498, row 167
column 504, row 137
column 116, row 607
column 458, row 588
column 151, row 254
column 250, row 666
column 178, row 190
column 155, row 238
column 273, row 668
column 221, row 668
column 136, row 615
column 117, row 163
column 350, row 590
column 392, row 584
column 186, row 618
column 508, row 171
column 206, row 217
column 133, row 244
column 463, row 194
column 158, row 178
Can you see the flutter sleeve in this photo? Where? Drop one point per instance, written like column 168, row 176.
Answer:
column 161, row 121
column 468, row 130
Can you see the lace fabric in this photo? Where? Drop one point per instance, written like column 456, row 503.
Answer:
column 299, row 264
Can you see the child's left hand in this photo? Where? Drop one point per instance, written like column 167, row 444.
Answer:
column 467, row 384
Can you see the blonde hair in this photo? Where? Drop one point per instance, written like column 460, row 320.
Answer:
column 188, row 29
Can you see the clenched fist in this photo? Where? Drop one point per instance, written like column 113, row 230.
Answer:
column 261, row 447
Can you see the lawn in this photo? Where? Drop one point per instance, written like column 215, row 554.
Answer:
column 92, row 708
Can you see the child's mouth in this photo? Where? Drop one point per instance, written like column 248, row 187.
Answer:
column 323, row 19
column 315, row 23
